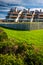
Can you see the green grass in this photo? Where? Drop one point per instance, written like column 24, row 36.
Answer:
column 35, row 37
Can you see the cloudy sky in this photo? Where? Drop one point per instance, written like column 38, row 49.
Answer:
column 22, row 3
column 26, row 2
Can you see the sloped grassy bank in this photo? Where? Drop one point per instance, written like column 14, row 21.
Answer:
column 18, row 53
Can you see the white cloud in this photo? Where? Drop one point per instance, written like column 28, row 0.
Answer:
column 25, row 2
column 33, row 2
column 33, row 9
column 39, row 1
column 12, row 1
column 21, row 7
column 4, row 10
column 2, row 16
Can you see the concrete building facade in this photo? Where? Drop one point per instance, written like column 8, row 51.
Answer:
column 24, row 15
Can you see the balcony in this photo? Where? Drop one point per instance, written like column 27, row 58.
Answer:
column 40, row 16
column 28, row 16
column 14, row 12
column 13, row 17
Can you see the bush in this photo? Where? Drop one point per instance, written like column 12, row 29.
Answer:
column 10, row 60
column 3, row 35
column 4, row 41
column 20, row 55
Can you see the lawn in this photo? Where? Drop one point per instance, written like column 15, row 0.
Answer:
column 30, row 37
column 21, row 47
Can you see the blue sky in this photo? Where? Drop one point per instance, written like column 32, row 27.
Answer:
column 23, row 4
column 26, row 2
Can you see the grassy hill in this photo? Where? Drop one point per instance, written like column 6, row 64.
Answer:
column 21, row 47
column 34, row 37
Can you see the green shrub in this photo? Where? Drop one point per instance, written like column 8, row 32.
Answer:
column 20, row 55
column 3, row 35
column 4, row 41
column 10, row 60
